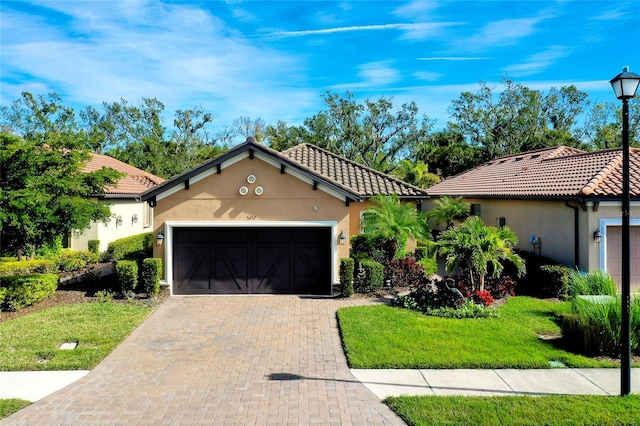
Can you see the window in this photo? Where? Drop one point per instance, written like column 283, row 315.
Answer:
column 147, row 214
column 475, row 210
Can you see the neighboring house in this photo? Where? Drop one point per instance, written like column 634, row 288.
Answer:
column 129, row 215
column 255, row 220
column 566, row 201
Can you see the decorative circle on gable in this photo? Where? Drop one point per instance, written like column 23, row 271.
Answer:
column 243, row 190
column 251, row 178
column 259, row 190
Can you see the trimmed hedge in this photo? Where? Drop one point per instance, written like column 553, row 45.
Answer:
column 150, row 273
column 555, row 281
column 380, row 249
column 74, row 260
column 347, row 266
column 127, row 273
column 373, row 274
column 26, row 267
column 20, row 291
column 134, row 247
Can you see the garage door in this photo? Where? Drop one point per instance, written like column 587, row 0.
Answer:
column 614, row 255
column 252, row 260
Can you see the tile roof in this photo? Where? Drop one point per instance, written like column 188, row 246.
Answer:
column 560, row 172
column 359, row 179
column 134, row 183
column 355, row 181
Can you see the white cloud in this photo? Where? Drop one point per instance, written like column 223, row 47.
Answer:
column 374, row 75
column 500, row 33
column 455, row 58
column 537, row 63
column 427, row 76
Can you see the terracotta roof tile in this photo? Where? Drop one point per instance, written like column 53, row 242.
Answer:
column 556, row 172
column 347, row 174
column 135, row 182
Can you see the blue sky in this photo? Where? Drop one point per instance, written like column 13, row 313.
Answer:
column 274, row 59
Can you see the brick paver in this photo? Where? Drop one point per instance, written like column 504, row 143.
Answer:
column 227, row 360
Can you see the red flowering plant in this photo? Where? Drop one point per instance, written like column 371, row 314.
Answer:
column 483, row 297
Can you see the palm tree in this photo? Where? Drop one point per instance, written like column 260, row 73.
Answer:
column 391, row 218
column 415, row 173
column 449, row 209
column 480, row 248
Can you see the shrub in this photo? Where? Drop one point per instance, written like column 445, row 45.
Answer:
column 127, row 273
column 430, row 265
column 94, row 247
column 499, row 287
column 380, row 249
column 17, row 292
column 404, row 272
column 27, row 267
column 151, row 272
column 104, row 296
column 134, row 247
column 370, row 276
column 420, row 253
column 483, row 297
column 347, row 266
column 535, row 282
column 468, row 309
column 555, row 281
column 74, row 260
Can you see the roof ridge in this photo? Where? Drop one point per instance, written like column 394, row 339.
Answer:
column 595, row 181
column 355, row 163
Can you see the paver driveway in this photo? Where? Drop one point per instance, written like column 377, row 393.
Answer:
column 224, row 360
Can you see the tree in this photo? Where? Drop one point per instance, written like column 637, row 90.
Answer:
column 447, row 153
column 449, row 209
column 391, row 218
column 416, row 174
column 480, row 248
column 45, row 193
column 518, row 118
column 372, row 133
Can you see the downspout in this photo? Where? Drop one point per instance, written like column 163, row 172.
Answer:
column 576, row 232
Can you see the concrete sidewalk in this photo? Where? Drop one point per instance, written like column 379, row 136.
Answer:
column 567, row 381
column 35, row 385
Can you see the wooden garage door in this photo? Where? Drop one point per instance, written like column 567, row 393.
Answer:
column 252, row 260
column 614, row 255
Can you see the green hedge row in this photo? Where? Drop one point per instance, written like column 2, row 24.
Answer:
column 134, row 247
column 347, row 266
column 150, row 274
column 26, row 267
column 373, row 273
column 20, row 291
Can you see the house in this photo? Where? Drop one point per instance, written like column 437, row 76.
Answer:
column 129, row 215
column 561, row 202
column 255, row 220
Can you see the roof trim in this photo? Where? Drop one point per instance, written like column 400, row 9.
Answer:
column 252, row 147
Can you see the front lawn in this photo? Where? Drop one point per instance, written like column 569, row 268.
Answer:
column 388, row 337
column 549, row 410
column 31, row 342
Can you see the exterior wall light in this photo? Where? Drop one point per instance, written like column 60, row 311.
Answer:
column 134, row 218
column 625, row 86
column 342, row 238
column 118, row 221
column 159, row 238
column 597, row 236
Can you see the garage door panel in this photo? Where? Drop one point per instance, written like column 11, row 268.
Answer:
column 273, row 272
column 193, row 274
column 252, row 260
column 614, row 255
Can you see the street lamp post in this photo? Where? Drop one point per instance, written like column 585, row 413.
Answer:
column 624, row 86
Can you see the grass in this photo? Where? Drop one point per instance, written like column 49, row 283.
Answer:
column 31, row 342
column 518, row 410
column 10, row 406
column 388, row 337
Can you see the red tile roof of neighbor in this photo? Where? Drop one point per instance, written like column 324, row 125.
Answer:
column 134, row 183
column 355, row 177
column 560, row 172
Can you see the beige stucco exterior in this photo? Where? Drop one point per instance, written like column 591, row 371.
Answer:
column 124, row 208
column 286, row 201
column 553, row 222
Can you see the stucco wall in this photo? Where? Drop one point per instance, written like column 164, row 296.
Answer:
column 111, row 231
column 216, row 199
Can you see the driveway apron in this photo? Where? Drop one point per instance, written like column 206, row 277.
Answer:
column 227, row 360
